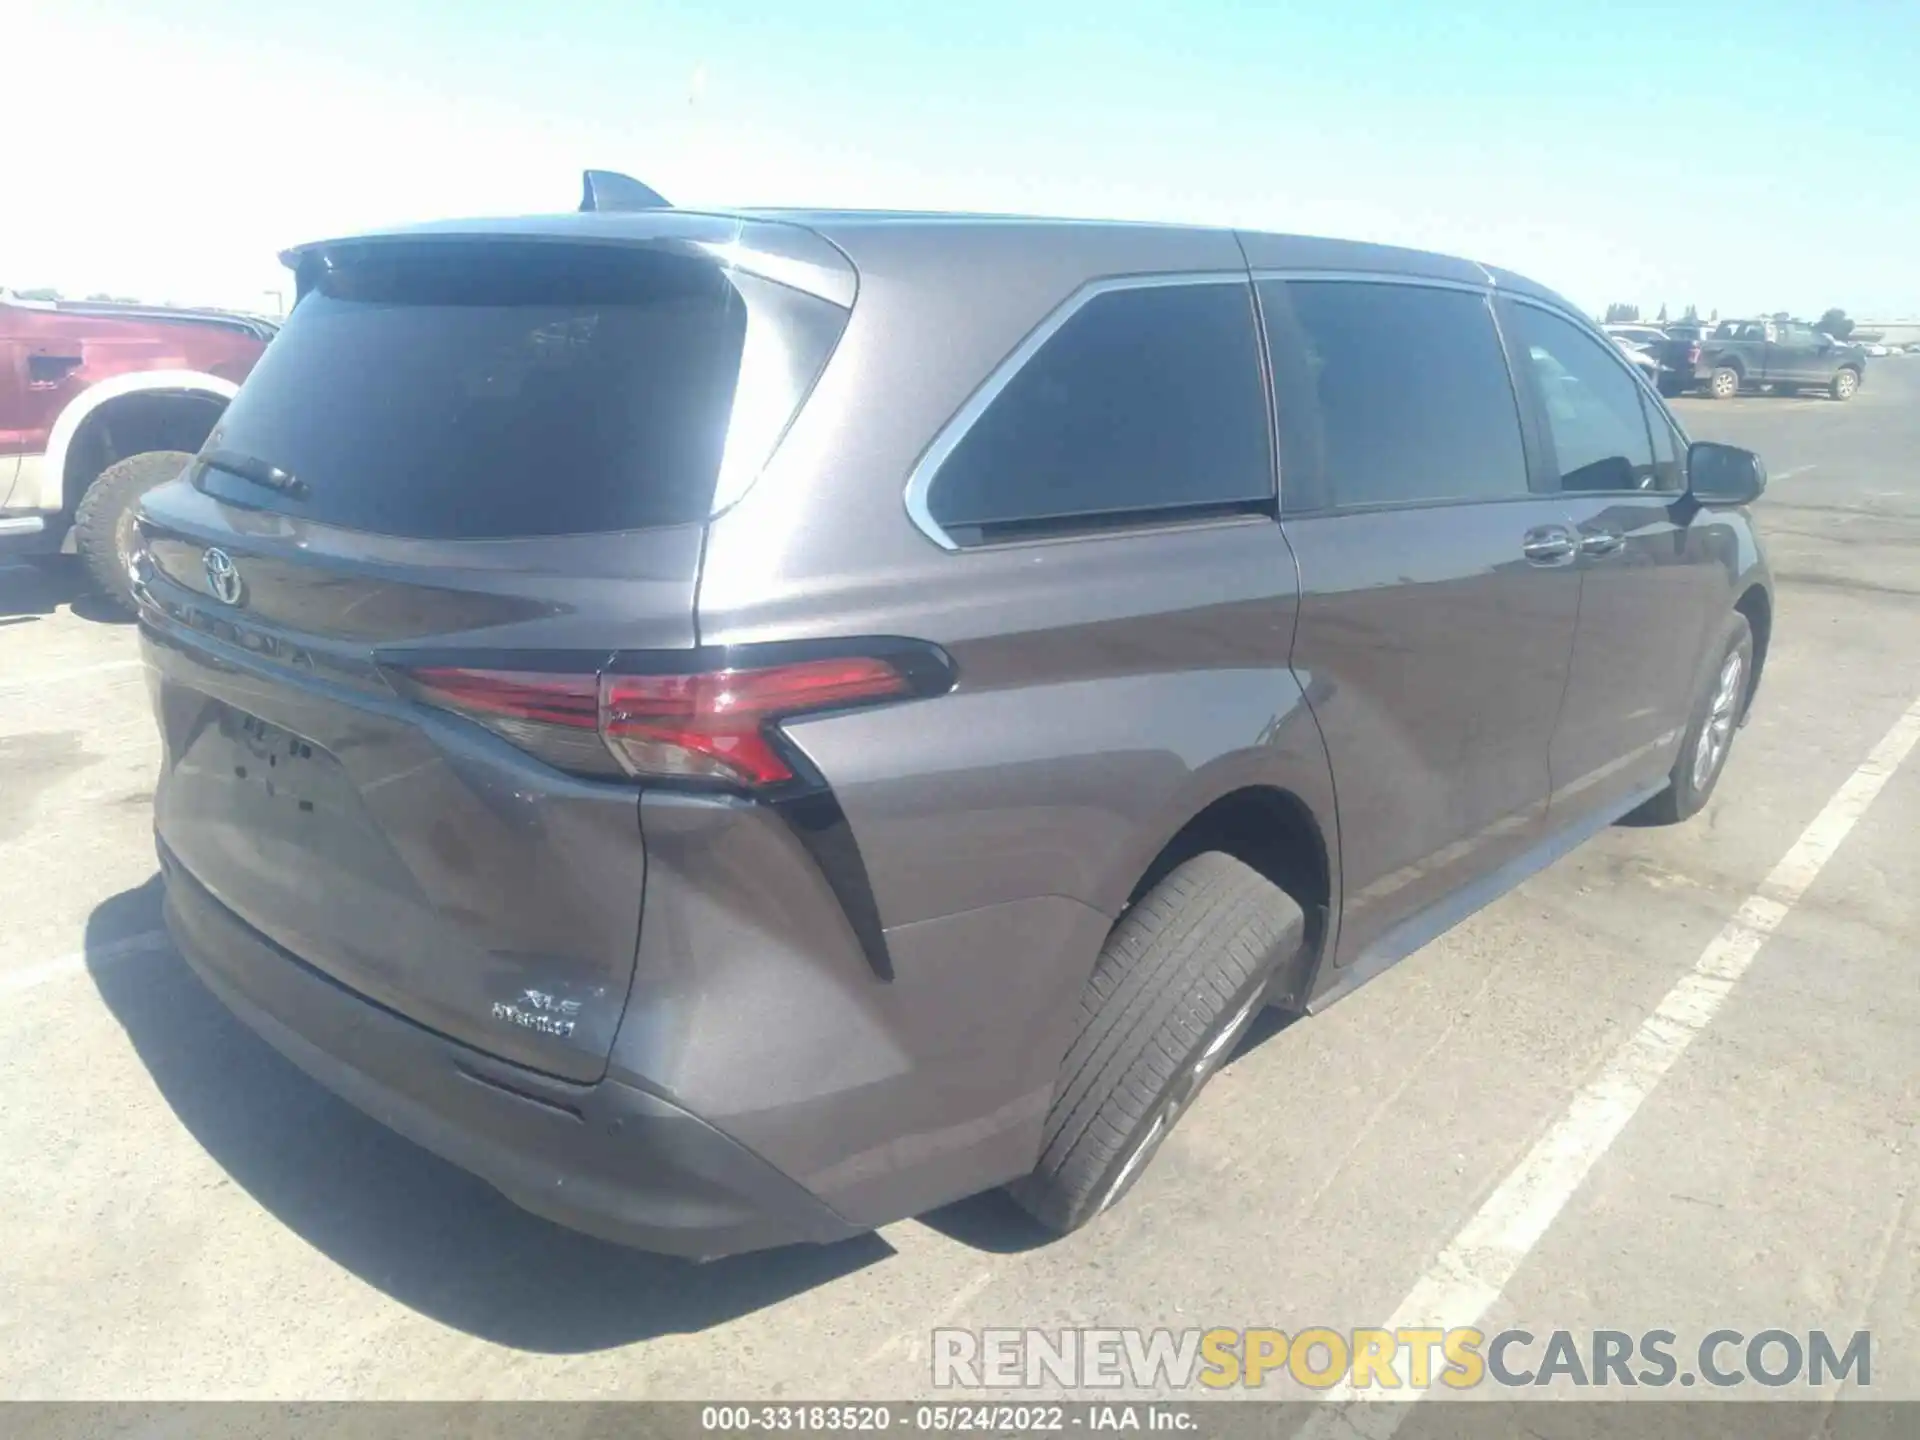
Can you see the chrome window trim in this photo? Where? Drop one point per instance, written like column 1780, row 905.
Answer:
column 927, row 468
column 1382, row 277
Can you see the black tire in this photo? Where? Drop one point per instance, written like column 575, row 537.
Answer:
column 1179, row 980
column 1844, row 384
column 1691, row 782
column 1724, row 383
column 103, row 523
column 1671, row 387
column 1781, row 388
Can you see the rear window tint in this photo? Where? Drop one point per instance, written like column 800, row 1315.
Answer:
column 481, row 391
column 1145, row 399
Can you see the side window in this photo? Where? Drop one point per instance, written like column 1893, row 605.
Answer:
column 1144, row 400
column 1592, row 405
column 1389, row 394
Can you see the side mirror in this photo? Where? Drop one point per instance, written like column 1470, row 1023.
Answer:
column 1724, row 474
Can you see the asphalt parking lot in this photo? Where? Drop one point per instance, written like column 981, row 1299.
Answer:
column 187, row 1216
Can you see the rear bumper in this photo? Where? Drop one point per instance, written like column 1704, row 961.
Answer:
column 608, row 1159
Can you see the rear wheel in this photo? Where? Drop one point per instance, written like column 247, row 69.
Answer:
column 1709, row 735
column 1180, row 979
column 1724, row 383
column 103, row 525
column 1844, row 384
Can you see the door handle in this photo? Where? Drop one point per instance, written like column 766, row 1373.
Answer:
column 1549, row 545
column 1600, row 542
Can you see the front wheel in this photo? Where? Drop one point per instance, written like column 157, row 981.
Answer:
column 1178, row 982
column 103, row 525
column 1709, row 735
column 1844, row 384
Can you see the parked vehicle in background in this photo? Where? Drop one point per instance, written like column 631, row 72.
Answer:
column 1677, row 357
column 738, row 728
column 1640, row 335
column 1786, row 356
column 1876, row 349
column 98, row 404
column 1641, row 358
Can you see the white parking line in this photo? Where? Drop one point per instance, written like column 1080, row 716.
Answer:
column 28, row 977
column 1470, row 1273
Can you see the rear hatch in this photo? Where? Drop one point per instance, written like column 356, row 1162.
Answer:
column 465, row 455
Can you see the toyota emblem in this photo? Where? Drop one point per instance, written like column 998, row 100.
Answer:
column 223, row 576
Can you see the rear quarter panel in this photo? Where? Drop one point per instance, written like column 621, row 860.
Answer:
column 1108, row 691
column 1109, row 688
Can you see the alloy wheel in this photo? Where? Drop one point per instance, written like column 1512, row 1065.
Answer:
column 1180, row 1095
column 1716, row 736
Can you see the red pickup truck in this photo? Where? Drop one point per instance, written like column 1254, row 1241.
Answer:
column 98, row 404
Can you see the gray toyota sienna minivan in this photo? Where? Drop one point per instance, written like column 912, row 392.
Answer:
column 738, row 728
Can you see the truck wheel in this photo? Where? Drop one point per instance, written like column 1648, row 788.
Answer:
column 1709, row 736
column 1725, row 383
column 1179, row 981
column 1844, row 384
column 103, row 527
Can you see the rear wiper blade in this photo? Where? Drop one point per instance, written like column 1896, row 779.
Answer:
column 256, row 471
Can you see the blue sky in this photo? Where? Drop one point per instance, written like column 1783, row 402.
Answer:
column 1739, row 156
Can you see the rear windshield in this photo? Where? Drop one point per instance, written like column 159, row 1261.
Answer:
column 480, row 391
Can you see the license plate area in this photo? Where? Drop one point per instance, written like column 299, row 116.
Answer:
column 272, row 763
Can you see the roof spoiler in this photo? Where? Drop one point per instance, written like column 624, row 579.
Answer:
column 610, row 190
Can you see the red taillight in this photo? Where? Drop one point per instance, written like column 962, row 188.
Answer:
column 528, row 695
column 715, row 724
column 1693, row 355
column 556, row 717
column 709, row 725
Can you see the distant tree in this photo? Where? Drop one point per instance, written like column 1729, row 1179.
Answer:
column 1661, row 318
column 1692, row 317
column 1620, row 313
column 1780, row 317
column 1834, row 323
column 43, row 293
column 1713, row 317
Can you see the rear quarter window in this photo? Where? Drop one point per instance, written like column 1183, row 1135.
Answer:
column 1145, row 401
